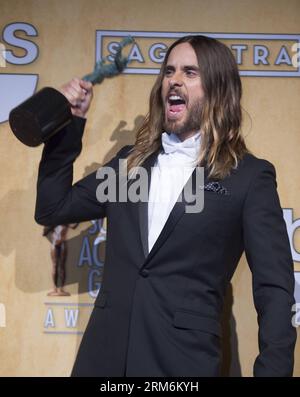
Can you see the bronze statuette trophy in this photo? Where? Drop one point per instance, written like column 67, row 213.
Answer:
column 45, row 113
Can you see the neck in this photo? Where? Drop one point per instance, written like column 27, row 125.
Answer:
column 185, row 135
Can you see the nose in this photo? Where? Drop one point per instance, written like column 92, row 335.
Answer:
column 175, row 80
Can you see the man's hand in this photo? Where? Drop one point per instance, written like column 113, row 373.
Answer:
column 79, row 93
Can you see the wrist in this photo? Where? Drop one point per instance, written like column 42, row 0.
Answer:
column 78, row 113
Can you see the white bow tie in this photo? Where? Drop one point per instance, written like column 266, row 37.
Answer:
column 190, row 146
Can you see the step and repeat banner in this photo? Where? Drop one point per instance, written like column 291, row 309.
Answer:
column 49, row 278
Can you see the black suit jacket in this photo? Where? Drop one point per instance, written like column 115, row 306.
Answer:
column 158, row 313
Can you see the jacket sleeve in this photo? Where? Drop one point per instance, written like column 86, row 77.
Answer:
column 269, row 256
column 58, row 201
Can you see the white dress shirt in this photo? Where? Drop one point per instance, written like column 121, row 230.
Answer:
column 170, row 173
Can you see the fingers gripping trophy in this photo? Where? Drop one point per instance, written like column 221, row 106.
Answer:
column 48, row 111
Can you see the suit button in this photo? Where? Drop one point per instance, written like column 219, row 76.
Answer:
column 144, row 272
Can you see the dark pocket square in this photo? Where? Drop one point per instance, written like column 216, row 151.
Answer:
column 216, row 187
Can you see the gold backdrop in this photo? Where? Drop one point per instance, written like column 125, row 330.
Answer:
column 39, row 335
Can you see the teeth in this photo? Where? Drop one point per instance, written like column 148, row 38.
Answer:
column 174, row 97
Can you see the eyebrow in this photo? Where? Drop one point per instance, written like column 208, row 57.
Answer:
column 186, row 67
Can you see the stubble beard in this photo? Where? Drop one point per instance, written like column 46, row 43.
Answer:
column 191, row 123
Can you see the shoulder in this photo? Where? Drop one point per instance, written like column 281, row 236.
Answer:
column 250, row 175
column 124, row 151
column 252, row 165
column 259, row 176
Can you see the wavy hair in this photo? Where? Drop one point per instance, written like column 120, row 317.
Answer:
column 222, row 144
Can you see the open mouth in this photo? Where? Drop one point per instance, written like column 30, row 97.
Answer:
column 176, row 105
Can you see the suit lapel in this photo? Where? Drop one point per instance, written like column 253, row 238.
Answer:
column 143, row 206
column 176, row 213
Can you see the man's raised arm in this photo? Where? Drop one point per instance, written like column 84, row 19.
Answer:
column 58, row 201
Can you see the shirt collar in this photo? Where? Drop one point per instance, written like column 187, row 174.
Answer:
column 189, row 147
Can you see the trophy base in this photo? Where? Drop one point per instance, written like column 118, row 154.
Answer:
column 40, row 116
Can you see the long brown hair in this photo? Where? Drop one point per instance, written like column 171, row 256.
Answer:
column 222, row 144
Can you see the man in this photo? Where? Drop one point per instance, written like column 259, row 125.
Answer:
column 166, row 270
